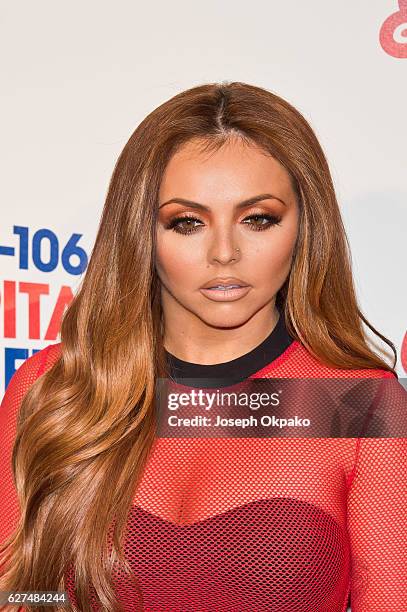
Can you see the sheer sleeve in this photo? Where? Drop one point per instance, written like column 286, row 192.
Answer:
column 377, row 510
column 19, row 384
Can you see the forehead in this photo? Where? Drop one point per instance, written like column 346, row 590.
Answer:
column 235, row 170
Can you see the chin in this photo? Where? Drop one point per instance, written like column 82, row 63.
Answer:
column 226, row 319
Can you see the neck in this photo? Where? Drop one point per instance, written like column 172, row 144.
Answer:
column 208, row 345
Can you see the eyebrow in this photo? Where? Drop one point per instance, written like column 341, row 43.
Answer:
column 244, row 204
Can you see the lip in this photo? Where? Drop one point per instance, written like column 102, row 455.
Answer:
column 225, row 295
column 230, row 280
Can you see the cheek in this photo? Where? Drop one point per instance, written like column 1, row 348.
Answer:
column 177, row 261
column 273, row 259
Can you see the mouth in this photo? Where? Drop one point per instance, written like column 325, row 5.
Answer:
column 225, row 293
column 226, row 287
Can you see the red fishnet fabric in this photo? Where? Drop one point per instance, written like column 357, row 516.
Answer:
column 254, row 524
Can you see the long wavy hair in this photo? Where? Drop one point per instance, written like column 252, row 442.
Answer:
column 87, row 425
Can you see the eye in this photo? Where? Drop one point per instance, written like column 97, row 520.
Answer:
column 270, row 221
column 187, row 221
column 177, row 222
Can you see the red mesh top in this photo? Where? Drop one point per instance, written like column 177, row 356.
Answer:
column 255, row 524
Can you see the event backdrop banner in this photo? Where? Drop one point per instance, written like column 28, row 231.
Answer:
column 78, row 82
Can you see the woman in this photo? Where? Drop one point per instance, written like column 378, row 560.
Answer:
column 225, row 186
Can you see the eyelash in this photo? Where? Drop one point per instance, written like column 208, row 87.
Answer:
column 174, row 223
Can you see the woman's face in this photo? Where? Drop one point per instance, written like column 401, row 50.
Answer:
column 202, row 221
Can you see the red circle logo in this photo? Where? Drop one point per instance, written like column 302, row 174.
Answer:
column 393, row 33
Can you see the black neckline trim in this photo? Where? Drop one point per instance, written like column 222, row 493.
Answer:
column 240, row 368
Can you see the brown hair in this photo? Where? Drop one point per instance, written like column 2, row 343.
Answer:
column 94, row 407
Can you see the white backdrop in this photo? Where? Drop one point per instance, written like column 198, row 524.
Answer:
column 78, row 77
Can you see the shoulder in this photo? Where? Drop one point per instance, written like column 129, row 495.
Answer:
column 301, row 363
column 25, row 376
column 36, row 364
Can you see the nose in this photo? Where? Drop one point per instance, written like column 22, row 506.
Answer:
column 223, row 249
